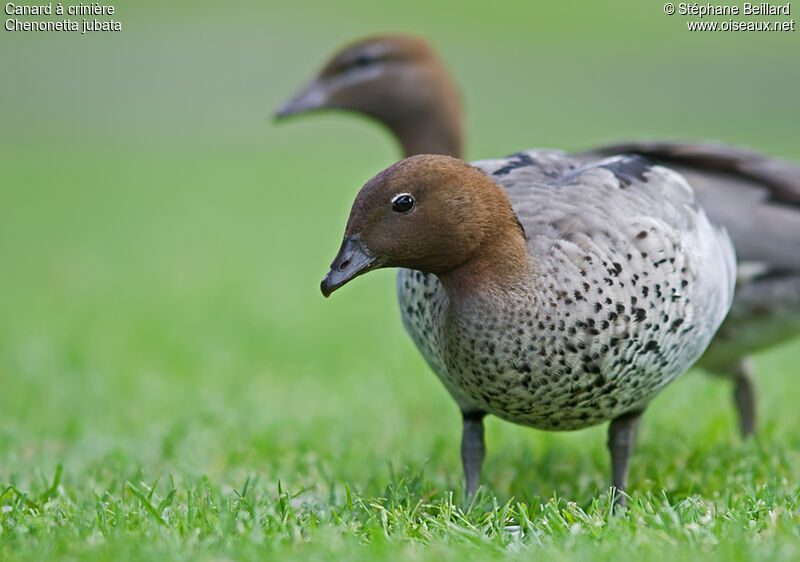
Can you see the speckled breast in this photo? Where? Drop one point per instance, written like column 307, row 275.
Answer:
column 578, row 347
column 569, row 371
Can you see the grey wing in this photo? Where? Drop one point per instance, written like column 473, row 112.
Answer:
column 756, row 198
column 558, row 194
column 623, row 205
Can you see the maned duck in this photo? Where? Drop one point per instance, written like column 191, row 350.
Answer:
column 566, row 293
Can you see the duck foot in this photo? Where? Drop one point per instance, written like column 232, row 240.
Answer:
column 472, row 451
column 621, row 437
column 745, row 395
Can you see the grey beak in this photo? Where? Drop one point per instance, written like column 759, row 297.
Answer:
column 351, row 261
column 312, row 97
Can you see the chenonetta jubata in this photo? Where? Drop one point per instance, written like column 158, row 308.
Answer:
column 568, row 293
column 756, row 198
column 397, row 80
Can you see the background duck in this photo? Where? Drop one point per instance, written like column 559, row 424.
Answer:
column 570, row 293
column 399, row 81
column 755, row 197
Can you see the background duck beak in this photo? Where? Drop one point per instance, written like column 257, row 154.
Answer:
column 351, row 261
column 312, row 97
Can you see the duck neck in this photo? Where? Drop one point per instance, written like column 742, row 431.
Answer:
column 428, row 124
column 429, row 134
column 501, row 270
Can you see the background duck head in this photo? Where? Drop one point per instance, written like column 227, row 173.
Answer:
column 397, row 80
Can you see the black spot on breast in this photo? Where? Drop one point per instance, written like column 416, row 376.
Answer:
column 652, row 346
column 592, row 368
column 675, row 325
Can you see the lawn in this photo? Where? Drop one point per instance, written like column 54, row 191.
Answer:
column 174, row 386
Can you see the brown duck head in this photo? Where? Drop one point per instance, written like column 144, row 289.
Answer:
column 435, row 214
column 397, row 80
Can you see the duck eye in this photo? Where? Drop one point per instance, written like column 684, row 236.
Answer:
column 362, row 61
column 402, row 203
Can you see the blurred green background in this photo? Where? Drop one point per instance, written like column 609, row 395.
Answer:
column 162, row 241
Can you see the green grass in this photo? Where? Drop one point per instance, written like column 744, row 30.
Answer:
column 173, row 385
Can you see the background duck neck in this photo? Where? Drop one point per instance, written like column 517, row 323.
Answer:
column 432, row 133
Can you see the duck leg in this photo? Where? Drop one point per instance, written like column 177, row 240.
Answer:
column 472, row 450
column 621, row 437
column 745, row 396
